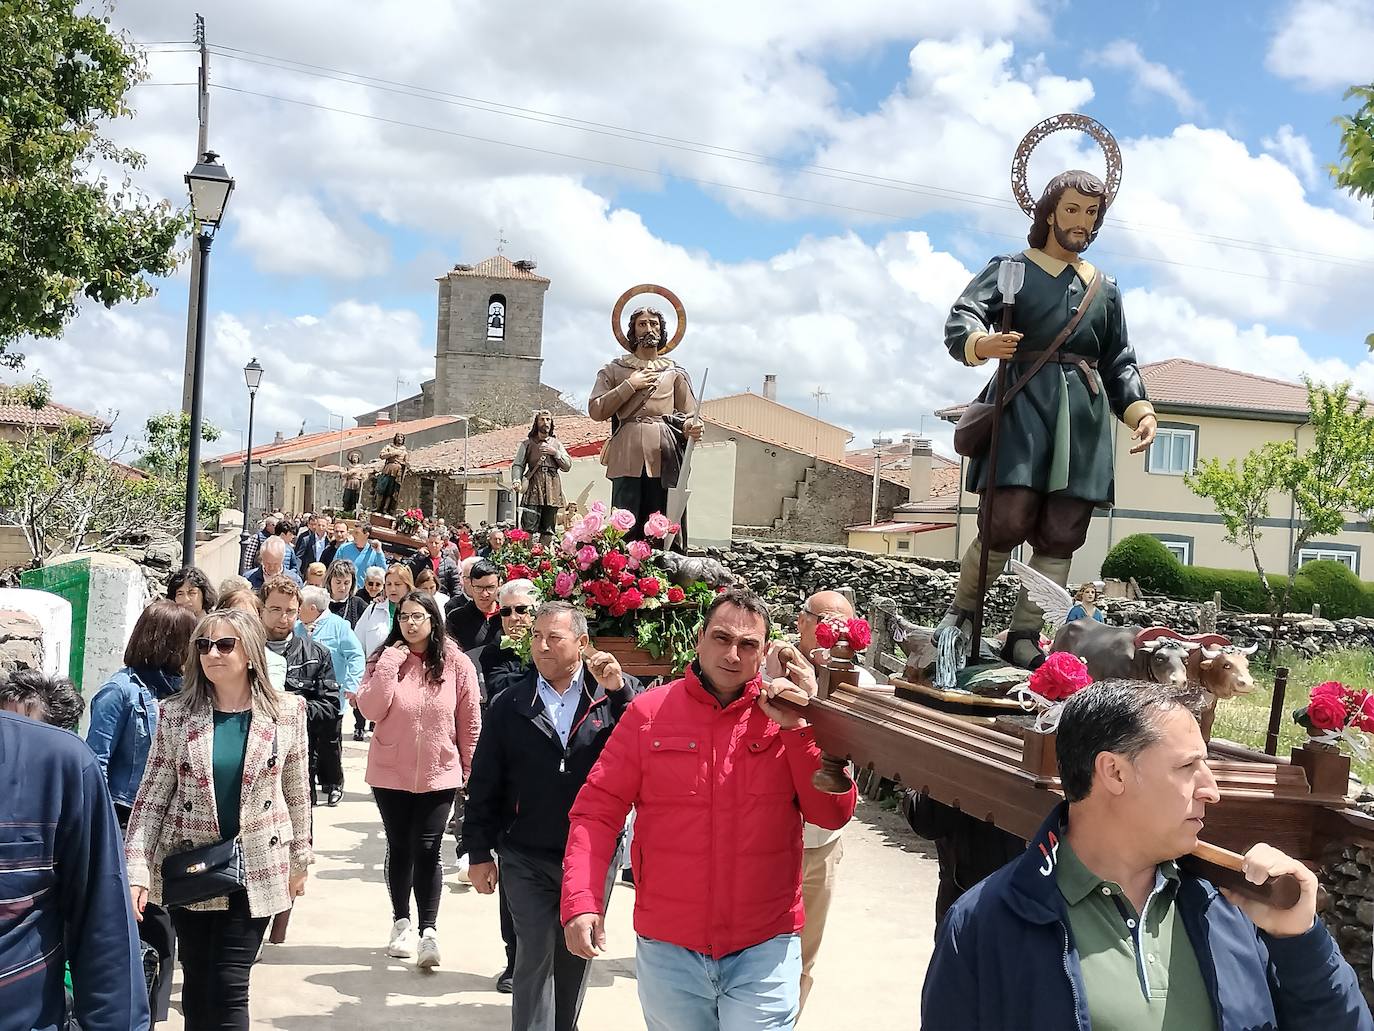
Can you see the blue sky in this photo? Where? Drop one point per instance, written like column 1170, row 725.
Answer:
column 340, row 225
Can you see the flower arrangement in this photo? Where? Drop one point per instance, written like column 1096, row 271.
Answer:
column 619, row 584
column 409, row 521
column 1060, row 676
column 1337, row 715
column 853, row 632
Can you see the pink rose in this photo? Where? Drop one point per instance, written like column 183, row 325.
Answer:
column 586, row 555
column 564, row 583
column 623, row 520
column 591, row 526
column 599, row 507
column 569, row 547
column 656, row 525
column 639, row 550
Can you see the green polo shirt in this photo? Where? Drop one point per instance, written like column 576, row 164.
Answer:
column 1139, row 971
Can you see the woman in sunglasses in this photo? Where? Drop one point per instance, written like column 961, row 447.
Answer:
column 422, row 695
column 500, row 665
column 229, row 761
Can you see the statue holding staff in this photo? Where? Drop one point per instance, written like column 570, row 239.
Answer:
column 1039, row 437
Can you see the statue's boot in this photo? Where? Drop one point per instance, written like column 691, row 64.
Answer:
column 1028, row 619
column 966, row 598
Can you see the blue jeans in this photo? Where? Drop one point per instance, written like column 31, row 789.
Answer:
column 682, row 990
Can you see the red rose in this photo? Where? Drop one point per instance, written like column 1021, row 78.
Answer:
column 631, row 598
column 607, row 593
column 618, row 609
column 1327, row 712
column 1332, row 688
column 825, row 634
column 545, row 566
column 613, row 562
column 1060, row 675
column 1364, row 718
column 858, row 633
column 626, row 579
column 537, row 550
column 676, row 594
column 649, row 586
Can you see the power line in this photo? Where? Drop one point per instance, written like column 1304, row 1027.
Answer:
column 722, row 185
column 749, row 157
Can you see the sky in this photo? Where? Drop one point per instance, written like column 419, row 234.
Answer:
column 816, row 181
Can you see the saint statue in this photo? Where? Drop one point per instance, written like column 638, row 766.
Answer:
column 536, row 472
column 353, row 481
column 649, row 402
column 1066, row 372
column 395, row 460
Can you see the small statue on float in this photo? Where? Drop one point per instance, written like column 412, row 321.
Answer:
column 537, row 475
column 1039, row 436
column 653, row 412
column 353, row 476
column 386, row 490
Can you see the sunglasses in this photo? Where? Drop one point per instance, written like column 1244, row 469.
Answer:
column 224, row 645
column 510, row 610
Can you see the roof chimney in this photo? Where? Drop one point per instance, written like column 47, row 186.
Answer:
column 770, row 387
column 921, row 453
column 278, row 439
column 383, row 419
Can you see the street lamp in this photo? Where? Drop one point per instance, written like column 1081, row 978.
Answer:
column 210, row 186
column 252, row 375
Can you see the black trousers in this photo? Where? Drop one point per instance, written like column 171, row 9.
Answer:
column 326, row 754
column 644, row 495
column 549, row 980
column 414, row 823
column 507, row 922
column 217, row 954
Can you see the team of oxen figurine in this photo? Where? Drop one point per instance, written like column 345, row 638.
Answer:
column 1157, row 653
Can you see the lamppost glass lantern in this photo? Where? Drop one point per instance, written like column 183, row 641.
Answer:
column 210, row 187
column 252, row 375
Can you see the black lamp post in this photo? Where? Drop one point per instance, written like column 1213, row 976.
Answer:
column 252, row 375
column 210, row 187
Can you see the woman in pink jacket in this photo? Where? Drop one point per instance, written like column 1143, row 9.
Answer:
column 422, row 694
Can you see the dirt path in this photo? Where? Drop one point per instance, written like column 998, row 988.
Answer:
column 332, row 972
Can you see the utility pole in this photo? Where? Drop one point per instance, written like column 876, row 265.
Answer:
column 202, row 145
column 819, row 394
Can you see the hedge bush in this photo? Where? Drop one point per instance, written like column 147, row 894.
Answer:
column 1329, row 584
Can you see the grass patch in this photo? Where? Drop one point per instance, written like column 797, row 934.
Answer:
column 1245, row 720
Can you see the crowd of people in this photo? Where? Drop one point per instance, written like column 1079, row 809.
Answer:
column 182, row 829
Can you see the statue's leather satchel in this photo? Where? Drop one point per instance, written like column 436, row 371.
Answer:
column 973, row 432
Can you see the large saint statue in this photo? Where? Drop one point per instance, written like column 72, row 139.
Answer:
column 650, row 404
column 1053, row 440
column 395, row 461
column 540, row 461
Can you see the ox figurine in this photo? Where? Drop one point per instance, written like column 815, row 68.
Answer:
column 1128, row 652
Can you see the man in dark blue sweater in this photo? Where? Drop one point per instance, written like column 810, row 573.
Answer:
column 66, row 898
column 1095, row 925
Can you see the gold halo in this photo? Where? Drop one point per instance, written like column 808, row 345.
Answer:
column 1055, row 123
column 661, row 291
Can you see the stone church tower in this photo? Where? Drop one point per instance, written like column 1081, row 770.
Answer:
column 490, row 338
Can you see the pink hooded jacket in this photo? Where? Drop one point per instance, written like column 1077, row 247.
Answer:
column 426, row 732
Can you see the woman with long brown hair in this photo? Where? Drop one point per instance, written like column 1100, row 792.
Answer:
column 230, row 761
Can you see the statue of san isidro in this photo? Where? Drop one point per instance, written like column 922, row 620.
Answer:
column 1054, row 460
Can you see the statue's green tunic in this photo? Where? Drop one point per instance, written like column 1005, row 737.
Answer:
column 1056, row 434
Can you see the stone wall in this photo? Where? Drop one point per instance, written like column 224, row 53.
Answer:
column 830, row 498
column 1349, row 910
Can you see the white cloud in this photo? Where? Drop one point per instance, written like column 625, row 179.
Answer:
column 1322, row 44
column 291, row 235
column 1148, row 76
column 1293, row 150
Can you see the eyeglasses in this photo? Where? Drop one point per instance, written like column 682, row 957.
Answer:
column 224, row 645
column 411, row 617
column 510, row 610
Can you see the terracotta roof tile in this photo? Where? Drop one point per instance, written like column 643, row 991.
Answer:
column 50, row 416
column 496, row 449
column 498, row 266
column 317, row 445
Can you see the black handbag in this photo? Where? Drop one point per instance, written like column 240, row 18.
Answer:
column 206, row 871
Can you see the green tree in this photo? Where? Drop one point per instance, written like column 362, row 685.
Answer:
column 71, row 222
column 1356, row 170
column 1324, row 481
column 167, row 443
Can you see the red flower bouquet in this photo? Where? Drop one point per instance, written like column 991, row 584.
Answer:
column 1338, row 715
column 1060, row 675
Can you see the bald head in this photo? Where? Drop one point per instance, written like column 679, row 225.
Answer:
column 822, row 605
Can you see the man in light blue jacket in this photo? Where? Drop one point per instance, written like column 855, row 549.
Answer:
column 337, row 637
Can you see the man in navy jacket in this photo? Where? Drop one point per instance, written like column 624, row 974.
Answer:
column 66, row 895
column 1095, row 925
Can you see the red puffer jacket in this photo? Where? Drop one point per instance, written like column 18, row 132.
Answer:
column 720, row 797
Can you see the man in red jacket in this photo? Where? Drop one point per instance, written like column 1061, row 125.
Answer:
column 720, row 776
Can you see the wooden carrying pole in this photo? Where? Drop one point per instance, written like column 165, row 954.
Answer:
column 1271, row 737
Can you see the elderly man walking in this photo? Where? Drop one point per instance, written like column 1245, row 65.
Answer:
column 539, row 740
column 271, row 562
column 720, row 777
column 346, row 653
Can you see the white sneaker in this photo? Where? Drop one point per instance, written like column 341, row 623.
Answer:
column 429, row 950
column 463, row 865
column 402, row 944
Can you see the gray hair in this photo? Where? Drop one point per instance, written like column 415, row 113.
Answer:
column 273, row 545
column 511, row 588
column 577, row 617
column 374, row 573
column 316, row 596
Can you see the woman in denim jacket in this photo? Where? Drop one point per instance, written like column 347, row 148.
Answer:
column 123, row 724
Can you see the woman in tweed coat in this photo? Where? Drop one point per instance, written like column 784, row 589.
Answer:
column 230, row 759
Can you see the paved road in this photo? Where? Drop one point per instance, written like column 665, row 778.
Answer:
column 333, row 974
